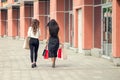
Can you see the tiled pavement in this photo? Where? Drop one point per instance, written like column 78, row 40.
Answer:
column 15, row 65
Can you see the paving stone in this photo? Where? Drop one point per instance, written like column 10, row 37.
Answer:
column 15, row 65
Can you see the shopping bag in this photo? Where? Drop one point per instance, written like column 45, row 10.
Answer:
column 64, row 53
column 46, row 55
column 26, row 43
column 59, row 52
column 43, row 52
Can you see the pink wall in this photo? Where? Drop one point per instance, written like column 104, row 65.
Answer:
column 75, row 28
column 116, row 29
column 42, row 19
column 22, row 21
column 10, row 22
column 53, row 4
column 87, row 22
column 0, row 3
column 78, row 3
column 88, row 27
column 66, row 27
column 97, row 27
column 15, row 14
column 10, row 1
column 25, row 19
column 56, row 12
column 88, row 2
column 36, row 9
column 1, row 24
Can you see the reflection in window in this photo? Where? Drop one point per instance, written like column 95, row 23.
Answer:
column 106, row 1
column 3, row 0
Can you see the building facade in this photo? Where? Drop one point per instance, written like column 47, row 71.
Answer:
column 91, row 27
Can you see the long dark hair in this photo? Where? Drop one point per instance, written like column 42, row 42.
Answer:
column 35, row 25
column 53, row 28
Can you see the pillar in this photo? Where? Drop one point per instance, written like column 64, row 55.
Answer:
column 87, row 27
column 77, row 4
column 75, row 28
column 10, row 23
column 1, row 24
column 36, row 9
column 116, row 32
column 42, row 18
column 25, row 18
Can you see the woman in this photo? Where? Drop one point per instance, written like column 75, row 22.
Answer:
column 53, row 41
column 34, row 33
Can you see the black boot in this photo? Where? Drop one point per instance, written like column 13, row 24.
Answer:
column 32, row 65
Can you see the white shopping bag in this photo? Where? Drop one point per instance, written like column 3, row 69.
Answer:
column 26, row 43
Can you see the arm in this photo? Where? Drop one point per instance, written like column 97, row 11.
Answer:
column 29, row 32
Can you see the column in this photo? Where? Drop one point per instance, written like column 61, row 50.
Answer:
column 36, row 9
column 42, row 18
column 1, row 25
column 10, row 23
column 75, row 28
column 57, row 13
column 23, row 27
column 24, row 20
column 116, row 32
column 87, row 27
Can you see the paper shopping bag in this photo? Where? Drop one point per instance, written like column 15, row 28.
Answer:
column 46, row 55
column 59, row 52
column 26, row 43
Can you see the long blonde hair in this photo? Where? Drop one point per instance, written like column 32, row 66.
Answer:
column 35, row 25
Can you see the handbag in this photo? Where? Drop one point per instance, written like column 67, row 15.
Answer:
column 26, row 43
column 59, row 52
column 46, row 55
column 62, row 53
column 43, row 52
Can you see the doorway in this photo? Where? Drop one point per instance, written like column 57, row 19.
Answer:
column 80, row 30
column 107, row 31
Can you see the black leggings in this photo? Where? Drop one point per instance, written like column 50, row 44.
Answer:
column 34, row 45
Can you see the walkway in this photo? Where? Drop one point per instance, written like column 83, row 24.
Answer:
column 15, row 65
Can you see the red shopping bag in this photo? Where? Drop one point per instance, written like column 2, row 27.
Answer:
column 59, row 52
column 46, row 54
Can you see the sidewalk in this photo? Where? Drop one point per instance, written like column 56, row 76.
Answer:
column 15, row 65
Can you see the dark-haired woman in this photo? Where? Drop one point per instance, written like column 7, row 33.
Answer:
column 53, row 41
column 34, row 33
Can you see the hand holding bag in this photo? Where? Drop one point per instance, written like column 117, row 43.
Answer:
column 26, row 43
column 45, row 53
column 62, row 53
column 59, row 52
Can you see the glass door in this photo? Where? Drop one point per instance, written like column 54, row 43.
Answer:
column 107, row 30
column 71, row 29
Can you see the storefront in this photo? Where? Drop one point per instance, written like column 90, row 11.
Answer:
column 103, row 28
column 4, row 23
column 90, row 27
column 68, row 26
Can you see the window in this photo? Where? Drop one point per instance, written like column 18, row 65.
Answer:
column 106, row 1
column 3, row 0
column 15, row 0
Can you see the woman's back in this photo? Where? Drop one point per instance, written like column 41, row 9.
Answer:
column 53, row 30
